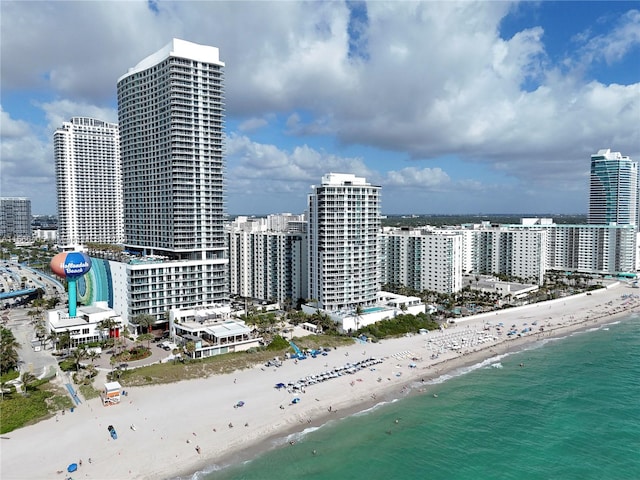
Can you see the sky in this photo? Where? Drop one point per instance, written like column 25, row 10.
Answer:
column 451, row 107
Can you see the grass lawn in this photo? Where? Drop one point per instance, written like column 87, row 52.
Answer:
column 39, row 403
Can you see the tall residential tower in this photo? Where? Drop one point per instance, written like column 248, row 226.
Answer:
column 15, row 218
column 171, row 114
column 343, row 229
column 88, row 182
column 613, row 194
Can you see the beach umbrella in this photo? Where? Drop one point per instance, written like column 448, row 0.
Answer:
column 295, row 400
column 72, row 468
column 241, row 403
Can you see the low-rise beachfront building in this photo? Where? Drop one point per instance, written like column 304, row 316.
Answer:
column 211, row 330
column 154, row 284
column 89, row 324
column 388, row 305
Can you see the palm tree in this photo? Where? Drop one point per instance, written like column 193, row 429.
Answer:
column 144, row 320
column 145, row 337
column 64, row 340
column 78, row 355
column 53, row 338
column 53, row 302
column 40, row 331
column 190, row 347
column 359, row 312
column 27, row 379
column 108, row 324
column 8, row 351
column 92, row 355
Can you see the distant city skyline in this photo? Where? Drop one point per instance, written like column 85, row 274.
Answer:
column 451, row 107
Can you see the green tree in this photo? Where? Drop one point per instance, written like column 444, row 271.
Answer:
column 146, row 337
column 28, row 378
column 79, row 354
column 190, row 347
column 8, row 351
column 144, row 320
column 64, row 340
column 109, row 325
column 53, row 338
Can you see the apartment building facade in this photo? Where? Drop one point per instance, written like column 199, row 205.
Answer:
column 343, row 229
column 422, row 259
column 15, row 218
column 268, row 260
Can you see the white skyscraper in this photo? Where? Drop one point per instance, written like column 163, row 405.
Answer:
column 171, row 118
column 613, row 194
column 344, row 224
column 89, row 182
column 171, row 113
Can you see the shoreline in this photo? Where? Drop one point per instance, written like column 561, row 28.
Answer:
column 172, row 420
column 477, row 358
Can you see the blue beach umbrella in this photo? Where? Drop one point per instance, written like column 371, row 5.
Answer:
column 72, row 468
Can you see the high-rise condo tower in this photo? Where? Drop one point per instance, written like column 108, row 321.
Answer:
column 613, row 194
column 171, row 114
column 344, row 223
column 88, row 182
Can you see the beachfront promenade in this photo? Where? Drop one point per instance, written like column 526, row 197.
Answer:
column 172, row 420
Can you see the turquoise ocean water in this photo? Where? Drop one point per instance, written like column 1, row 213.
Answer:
column 571, row 412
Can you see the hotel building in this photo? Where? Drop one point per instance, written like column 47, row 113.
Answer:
column 88, row 182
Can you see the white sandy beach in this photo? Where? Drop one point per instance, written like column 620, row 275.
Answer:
column 172, row 420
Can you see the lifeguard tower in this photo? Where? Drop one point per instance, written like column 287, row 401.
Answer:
column 111, row 393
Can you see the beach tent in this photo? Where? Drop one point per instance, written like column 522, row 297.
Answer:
column 295, row 400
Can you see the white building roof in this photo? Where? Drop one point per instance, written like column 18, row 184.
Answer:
column 226, row 330
column 178, row 48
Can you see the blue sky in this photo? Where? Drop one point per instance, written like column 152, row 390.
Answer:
column 451, row 107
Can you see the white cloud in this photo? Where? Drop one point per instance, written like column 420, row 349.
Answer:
column 63, row 110
column 253, row 124
column 437, row 81
column 255, row 168
column 26, row 167
column 616, row 44
column 412, row 177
